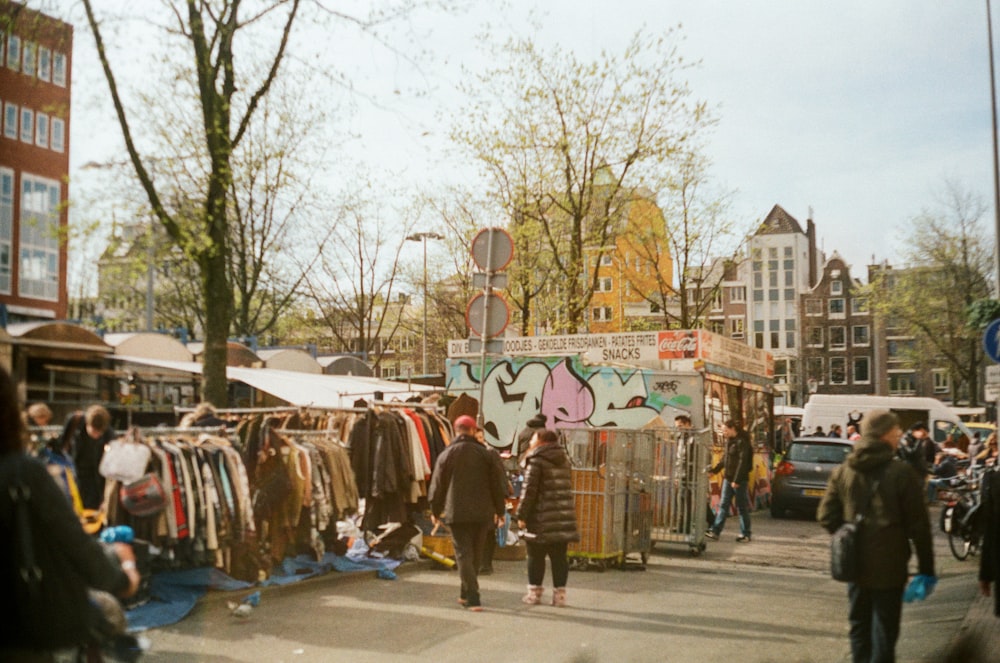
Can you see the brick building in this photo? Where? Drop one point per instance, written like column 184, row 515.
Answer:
column 35, row 81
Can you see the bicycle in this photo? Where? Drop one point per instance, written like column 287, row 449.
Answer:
column 960, row 518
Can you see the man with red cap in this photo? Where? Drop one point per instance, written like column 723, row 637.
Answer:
column 467, row 493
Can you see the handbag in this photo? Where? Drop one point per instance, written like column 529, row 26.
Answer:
column 144, row 497
column 125, row 459
column 845, row 556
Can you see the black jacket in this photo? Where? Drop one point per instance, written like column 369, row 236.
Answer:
column 738, row 459
column 898, row 513
column 468, row 483
column 989, row 559
column 547, row 504
column 69, row 559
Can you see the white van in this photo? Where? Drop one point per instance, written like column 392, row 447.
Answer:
column 827, row 409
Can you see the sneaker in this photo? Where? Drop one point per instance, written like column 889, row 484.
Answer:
column 711, row 535
column 743, row 539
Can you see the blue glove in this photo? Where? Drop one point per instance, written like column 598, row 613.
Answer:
column 920, row 587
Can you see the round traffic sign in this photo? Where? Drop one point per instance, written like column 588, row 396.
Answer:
column 487, row 315
column 991, row 340
column 492, row 249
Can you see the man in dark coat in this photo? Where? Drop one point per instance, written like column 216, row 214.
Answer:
column 736, row 463
column 989, row 559
column 84, row 437
column 467, row 493
column 896, row 515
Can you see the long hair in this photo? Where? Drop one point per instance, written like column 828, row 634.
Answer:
column 12, row 432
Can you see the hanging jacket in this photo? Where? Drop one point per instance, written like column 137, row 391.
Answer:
column 547, row 504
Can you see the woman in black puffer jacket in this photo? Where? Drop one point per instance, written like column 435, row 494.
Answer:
column 547, row 511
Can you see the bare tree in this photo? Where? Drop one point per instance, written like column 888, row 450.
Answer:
column 564, row 144
column 949, row 266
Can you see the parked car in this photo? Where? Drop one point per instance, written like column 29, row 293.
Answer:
column 799, row 480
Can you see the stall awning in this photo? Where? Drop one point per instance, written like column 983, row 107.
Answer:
column 301, row 389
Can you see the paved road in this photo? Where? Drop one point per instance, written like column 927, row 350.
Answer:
column 770, row 600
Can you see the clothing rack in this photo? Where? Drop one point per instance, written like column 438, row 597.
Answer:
column 243, row 410
column 178, row 430
column 405, row 405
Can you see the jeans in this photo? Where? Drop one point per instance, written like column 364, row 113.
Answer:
column 469, row 540
column 556, row 553
column 874, row 616
column 742, row 495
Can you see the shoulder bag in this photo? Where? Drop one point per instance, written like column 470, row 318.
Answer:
column 844, row 554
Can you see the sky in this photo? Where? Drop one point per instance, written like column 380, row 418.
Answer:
column 854, row 113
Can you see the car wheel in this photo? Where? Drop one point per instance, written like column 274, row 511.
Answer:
column 777, row 509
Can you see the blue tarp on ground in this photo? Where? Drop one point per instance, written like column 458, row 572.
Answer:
column 173, row 594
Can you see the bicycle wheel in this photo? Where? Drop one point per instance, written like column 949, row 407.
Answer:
column 960, row 545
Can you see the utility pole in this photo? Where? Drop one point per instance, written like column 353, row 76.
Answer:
column 423, row 237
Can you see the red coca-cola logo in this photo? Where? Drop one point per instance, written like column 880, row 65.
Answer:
column 677, row 345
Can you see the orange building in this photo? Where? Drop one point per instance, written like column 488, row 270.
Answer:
column 36, row 53
column 639, row 266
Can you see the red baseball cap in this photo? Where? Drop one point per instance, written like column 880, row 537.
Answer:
column 467, row 422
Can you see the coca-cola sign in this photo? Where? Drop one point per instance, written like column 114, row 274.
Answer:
column 678, row 345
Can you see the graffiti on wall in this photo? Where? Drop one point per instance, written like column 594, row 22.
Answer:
column 569, row 394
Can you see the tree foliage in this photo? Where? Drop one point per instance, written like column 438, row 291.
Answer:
column 564, row 143
column 949, row 264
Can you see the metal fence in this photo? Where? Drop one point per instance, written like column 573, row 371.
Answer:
column 637, row 487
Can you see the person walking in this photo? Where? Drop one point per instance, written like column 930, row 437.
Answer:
column 547, row 512
column 467, row 493
column 895, row 515
column 736, row 462
column 49, row 609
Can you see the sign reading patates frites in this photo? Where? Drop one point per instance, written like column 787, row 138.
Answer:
column 639, row 348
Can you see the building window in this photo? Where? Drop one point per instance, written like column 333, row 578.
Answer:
column 862, row 371
column 814, row 306
column 859, row 306
column 772, row 252
column 42, row 130
column 27, row 125
column 788, row 252
column 604, row 284
column 789, row 278
column 6, row 226
column 902, row 384
column 772, row 279
column 758, row 295
column 28, row 67
column 837, row 307
column 772, row 295
column 14, row 52
column 737, row 295
column 58, row 142
column 44, row 64
column 860, row 336
column 601, row 313
column 790, row 340
column 738, row 327
column 838, row 338
column 717, row 299
column 758, row 334
column 39, row 228
column 942, row 381
column 717, row 326
column 838, row 370
column 757, row 266
column 836, row 287
column 389, row 372
column 758, row 280
column 814, row 369
column 10, row 120
column 814, row 337
column 59, row 69
column 789, row 294
column 606, row 259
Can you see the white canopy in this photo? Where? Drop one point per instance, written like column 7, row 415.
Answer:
column 302, row 389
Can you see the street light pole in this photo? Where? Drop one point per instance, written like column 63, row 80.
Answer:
column 996, row 161
column 423, row 237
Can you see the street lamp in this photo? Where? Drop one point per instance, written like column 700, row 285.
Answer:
column 423, row 237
